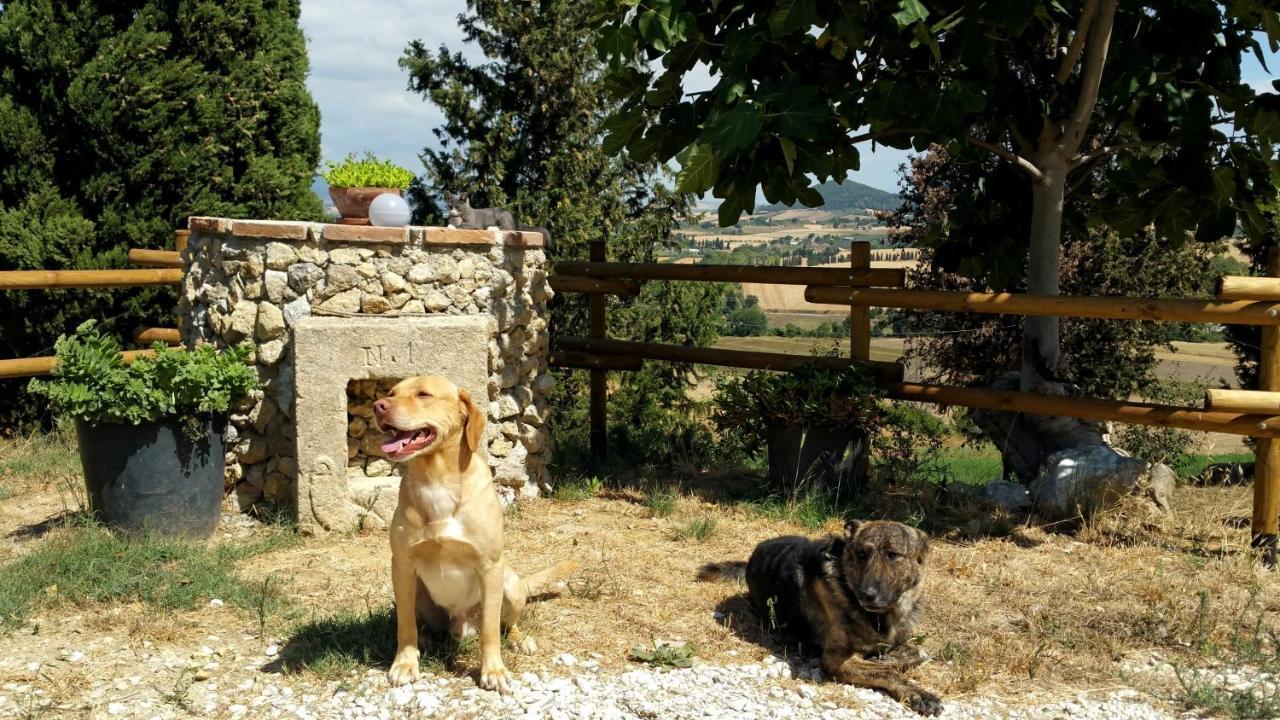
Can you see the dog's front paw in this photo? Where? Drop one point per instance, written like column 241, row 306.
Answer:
column 405, row 668
column 495, row 677
column 923, row 702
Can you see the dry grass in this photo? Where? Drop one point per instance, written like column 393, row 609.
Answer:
column 1013, row 607
column 1028, row 607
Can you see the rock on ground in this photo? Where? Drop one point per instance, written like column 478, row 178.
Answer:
column 1080, row 481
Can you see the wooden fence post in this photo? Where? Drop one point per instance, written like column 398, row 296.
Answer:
column 1266, row 468
column 860, row 316
column 599, row 377
column 180, row 238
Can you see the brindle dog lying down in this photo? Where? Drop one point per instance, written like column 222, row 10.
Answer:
column 857, row 597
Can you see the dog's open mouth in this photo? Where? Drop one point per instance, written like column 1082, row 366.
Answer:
column 407, row 442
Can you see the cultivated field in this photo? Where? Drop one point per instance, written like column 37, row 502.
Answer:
column 790, row 298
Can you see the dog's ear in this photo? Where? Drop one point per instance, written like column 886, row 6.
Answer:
column 851, row 527
column 473, row 420
column 923, row 538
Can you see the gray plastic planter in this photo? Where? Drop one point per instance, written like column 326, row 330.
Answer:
column 150, row 477
column 813, row 457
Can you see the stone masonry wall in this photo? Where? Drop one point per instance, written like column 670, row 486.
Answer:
column 249, row 281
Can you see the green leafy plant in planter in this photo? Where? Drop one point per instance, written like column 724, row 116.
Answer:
column 366, row 172
column 354, row 183
column 816, row 422
column 151, row 434
column 93, row 384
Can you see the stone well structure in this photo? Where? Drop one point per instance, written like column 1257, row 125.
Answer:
column 337, row 313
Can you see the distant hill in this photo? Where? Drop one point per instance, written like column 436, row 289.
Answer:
column 849, row 196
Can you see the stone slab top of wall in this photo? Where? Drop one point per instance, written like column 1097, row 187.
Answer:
column 297, row 231
column 266, row 281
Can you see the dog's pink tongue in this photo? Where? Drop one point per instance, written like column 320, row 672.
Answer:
column 398, row 442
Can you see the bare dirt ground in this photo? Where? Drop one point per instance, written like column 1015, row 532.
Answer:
column 1018, row 614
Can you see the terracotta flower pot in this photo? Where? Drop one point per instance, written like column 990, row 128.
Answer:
column 353, row 203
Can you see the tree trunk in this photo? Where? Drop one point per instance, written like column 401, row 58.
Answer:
column 1026, row 441
column 1040, row 334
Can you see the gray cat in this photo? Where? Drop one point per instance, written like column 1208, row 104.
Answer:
column 462, row 215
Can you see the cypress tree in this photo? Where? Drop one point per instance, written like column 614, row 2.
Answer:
column 118, row 120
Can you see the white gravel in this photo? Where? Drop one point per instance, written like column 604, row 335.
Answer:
column 219, row 684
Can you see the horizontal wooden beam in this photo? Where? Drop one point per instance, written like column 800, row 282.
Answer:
column 1242, row 401
column 587, row 361
column 155, row 258
column 67, row 279
column 29, row 367
column 1235, row 312
column 606, row 286
column 816, row 276
column 1236, row 287
column 1090, row 409
column 885, row 371
column 164, row 335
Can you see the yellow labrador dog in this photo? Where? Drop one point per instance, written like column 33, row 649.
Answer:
column 446, row 536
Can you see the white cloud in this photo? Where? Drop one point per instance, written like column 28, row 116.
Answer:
column 354, row 50
column 362, row 92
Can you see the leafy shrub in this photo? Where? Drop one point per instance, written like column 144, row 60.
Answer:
column 92, row 383
column 911, row 444
column 747, row 322
column 366, row 172
column 844, row 398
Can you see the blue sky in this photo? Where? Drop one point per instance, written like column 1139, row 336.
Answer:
column 364, row 103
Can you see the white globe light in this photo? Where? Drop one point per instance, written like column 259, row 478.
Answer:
column 389, row 210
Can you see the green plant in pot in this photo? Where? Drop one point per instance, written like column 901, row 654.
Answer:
column 151, row 434
column 816, row 422
column 355, row 182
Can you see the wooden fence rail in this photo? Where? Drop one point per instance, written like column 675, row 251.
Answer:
column 824, row 276
column 156, row 258
column 166, row 264
column 29, row 367
column 1239, row 301
column 80, row 279
column 886, row 372
column 1226, row 312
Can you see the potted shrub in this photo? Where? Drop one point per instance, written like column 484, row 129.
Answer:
column 816, row 423
column 151, row 434
column 355, row 182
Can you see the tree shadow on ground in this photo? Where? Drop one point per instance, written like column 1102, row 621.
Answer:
column 351, row 640
column 942, row 511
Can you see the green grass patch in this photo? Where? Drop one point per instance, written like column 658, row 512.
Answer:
column 42, row 457
column 349, row 642
column 698, row 529
column 660, row 502
column 812, row 508
column 88, row 564
column 577, row 489
column 1189, row 466
column 968, row 466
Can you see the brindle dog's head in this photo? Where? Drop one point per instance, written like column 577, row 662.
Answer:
column 882, row 562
